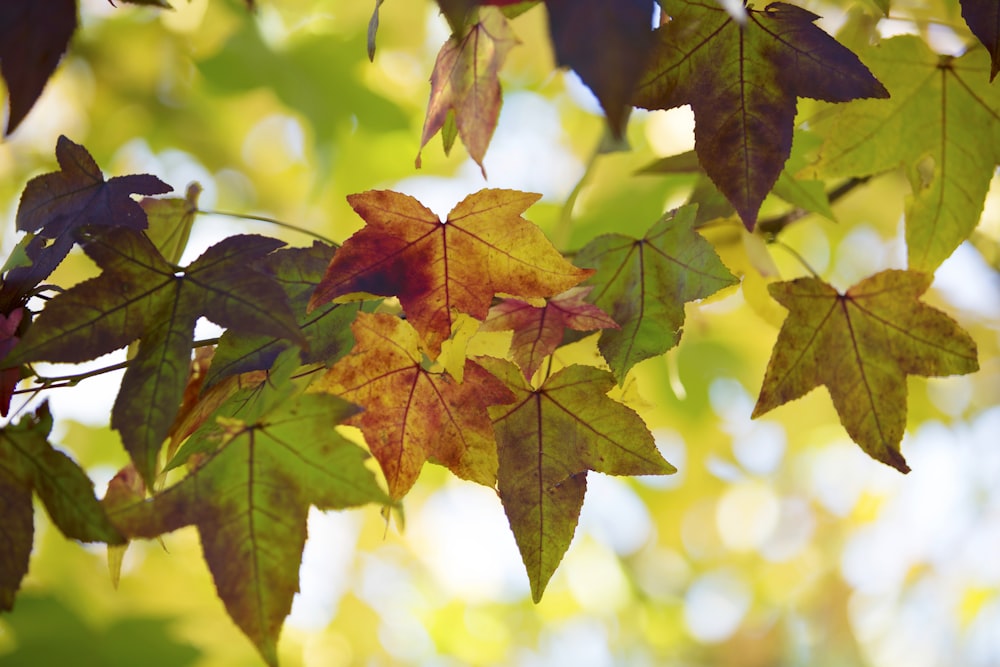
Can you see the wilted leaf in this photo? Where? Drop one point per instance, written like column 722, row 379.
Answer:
column 411, row 414
column 547, row 440
column 465, row 81
column 539, row 331
column 483, row 248
column 742, row 83
column 250, row 499
column 934, row 126
column 606, row 43
column 33, row 37
column 983, row 19
column 140, row 296
column 862, row 345
column 644, row 283
column 29, row 463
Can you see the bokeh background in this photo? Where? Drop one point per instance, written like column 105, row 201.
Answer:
column 778, row 543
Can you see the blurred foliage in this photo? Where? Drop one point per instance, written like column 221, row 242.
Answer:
column 777, row 543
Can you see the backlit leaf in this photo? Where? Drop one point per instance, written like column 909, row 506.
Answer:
column 983, row 19
column 742, row 83
column 862, row 344
column 547, row 440
column 465, row 82
column 644, row 283
column 411, row 414
column 484, row 247
column 933, row 126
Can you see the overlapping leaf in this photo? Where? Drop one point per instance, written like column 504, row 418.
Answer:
column 862, row 344
column 547, row 440
column 465, row 81
column 411, row 414
column 9, row 377
column 742, row 83
column 250, row 498
column 170, row 221
column 326, row 330
column 29, row 463
column 140, row 296
column 538, row 331
column 606, row 42
column 33, row 37
column 983, row 19
column 484, row 247
column 938, row 125
column 644, row 283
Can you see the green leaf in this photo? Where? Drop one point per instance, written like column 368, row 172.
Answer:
column 170, row 222
column 250, row 498
column 862, row 344
column 742, row 83
column 29, row 463
column 643, row 285
column 934, row 126
column 327, row 329
column 547, row 440
column 140, row 296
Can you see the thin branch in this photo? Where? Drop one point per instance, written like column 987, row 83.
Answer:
column 771, row 227
column 279, row 223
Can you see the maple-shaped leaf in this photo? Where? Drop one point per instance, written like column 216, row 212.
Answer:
column 484, row 247
column 327, row 329
column 862, row 344
column 742, row 82
column 465, row 81
column 606, row 42
column 538, row 331
column 29, row 463
column 250, row 497
column 33, row 37
column 936, row 125
column 411, row 414
column 547, row 440
column 644, row 283
column 141, row 296
column 983, row 19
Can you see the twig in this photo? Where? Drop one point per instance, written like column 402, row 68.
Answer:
column 279, row 223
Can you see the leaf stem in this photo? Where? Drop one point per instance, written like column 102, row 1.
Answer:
column 795, row 253
column 273, row 221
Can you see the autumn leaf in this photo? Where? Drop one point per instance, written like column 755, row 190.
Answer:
column 28, row 463
column 742, row 83
column 606, row 43
column 140, row 296
column 465, row 80
column 9, row 377
column 934, row 126
column 547, row 440
column 250, row 497
column 538, row 331
column 411, row 414
column 983, row 19
column 33, row 37
column 326, row 329
column 644, row 283
column 484, row 247
column 862, row 344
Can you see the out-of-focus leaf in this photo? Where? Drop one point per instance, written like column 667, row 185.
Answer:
column 29, row 463
column 547, row 440
column 644, row 283
column 465, row 81
column 410, row 414
column 140, row 296
column 539, row 331
column 862, row 344
column 33, row 37
column 742, row 83
column 484, row 247
column 170, row 222
column 249, row 500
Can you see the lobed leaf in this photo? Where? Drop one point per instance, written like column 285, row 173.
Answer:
column 862, row 344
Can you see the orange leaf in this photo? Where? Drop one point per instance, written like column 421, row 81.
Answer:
column 411, row 414
column 862, row 345
column 484, row 247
